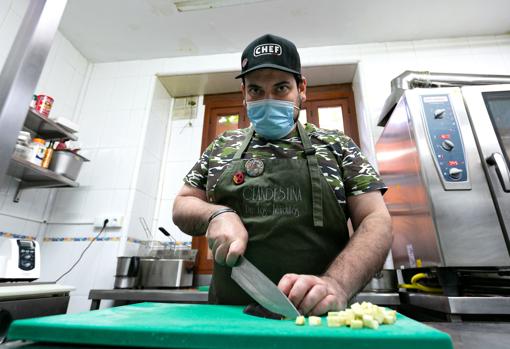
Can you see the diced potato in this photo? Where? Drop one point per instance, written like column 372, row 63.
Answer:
column 314, row 321
column 379, row 318
column 357, row 316
column 389, row 320
column 356, row 324
column 356, row 306
column 349, row 316
column 373, row 324
column 335, row 321
column 392, row 312
column 300, row 320
column 367, row 318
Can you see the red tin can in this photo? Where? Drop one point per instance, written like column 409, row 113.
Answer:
column 43, row 104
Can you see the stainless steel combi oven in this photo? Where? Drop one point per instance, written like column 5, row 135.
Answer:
column 445, row 155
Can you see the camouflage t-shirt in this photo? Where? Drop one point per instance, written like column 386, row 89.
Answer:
column 344, row 167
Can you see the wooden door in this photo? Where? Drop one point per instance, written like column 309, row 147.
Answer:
column 329, row 106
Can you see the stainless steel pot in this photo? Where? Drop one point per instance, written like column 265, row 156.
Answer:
column 125, row 282
column 67, row 163
column 166, row 273
column 127, row 272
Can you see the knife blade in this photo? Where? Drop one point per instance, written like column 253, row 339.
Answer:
column 262, row 289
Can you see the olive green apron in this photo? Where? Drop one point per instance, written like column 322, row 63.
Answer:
column 293, row 219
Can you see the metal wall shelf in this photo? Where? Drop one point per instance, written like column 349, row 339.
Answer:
column 33, row 176
column 46, row 128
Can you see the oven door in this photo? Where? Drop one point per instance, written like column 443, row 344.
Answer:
column 489, row 113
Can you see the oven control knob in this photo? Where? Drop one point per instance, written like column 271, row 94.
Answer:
column 447, row 145
column 455, row 173
column 439, row 113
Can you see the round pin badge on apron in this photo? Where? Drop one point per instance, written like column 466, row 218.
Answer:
column 238, row 178
column 254, row 167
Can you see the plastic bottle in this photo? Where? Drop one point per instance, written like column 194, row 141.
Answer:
column 48, row 154
column 38, row 147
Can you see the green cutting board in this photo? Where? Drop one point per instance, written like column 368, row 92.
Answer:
column 163, row 325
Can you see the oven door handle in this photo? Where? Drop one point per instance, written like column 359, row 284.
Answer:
column 497, row 160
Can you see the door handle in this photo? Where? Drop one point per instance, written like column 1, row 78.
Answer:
column 497, row 160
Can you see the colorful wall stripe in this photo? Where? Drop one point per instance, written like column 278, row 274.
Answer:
column 87, row 238
column 84, row 238
column 15, row 236
column 178, row 243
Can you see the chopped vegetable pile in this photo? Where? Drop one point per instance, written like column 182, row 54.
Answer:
column 357, row 316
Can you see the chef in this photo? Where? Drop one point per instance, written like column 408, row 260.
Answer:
column 280, row 193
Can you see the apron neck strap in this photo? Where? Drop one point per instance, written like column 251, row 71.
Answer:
column 313, row 169
column 244, row 145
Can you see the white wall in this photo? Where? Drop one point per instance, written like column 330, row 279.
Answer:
column 62, row 78
column 183, row 150
column 113, row 117
column 11, row 14
column 145, row 203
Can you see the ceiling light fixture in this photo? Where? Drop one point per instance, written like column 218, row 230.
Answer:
column 195, row 5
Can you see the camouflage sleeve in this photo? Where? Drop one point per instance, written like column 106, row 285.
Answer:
column 197, row 176
column 359, row 176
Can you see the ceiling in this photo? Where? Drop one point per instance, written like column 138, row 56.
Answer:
column 116, row 30
column 213, row 83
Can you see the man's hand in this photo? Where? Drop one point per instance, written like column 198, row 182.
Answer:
column 313, row 295
column 227, row 238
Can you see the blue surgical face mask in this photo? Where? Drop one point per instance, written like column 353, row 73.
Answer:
column 271, row 118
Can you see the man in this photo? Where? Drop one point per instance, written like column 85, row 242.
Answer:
column 281, row 194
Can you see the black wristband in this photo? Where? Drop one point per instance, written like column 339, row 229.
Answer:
column 220, row 211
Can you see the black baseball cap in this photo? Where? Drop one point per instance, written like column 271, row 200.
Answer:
column 270, row 51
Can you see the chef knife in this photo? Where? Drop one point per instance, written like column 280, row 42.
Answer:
column 262, row 289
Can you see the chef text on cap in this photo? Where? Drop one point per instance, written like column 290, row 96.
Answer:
column 267, row 49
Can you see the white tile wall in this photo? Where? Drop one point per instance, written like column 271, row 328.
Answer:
column 121, row 179
column 183, row 150
column 11, row 14
column 63, row 78
column 174, row 173
column 143, row 206
column 149, row 168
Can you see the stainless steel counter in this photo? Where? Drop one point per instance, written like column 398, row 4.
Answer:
column 476, row 335
column 191, row 295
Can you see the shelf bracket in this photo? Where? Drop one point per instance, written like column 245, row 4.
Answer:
column 34, row 185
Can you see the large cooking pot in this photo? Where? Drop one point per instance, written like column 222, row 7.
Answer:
column 127, row 272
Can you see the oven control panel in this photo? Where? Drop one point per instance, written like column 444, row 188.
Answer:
column 26, row 255
column 445, row 140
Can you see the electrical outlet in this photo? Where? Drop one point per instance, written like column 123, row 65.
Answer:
column 113, row 221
